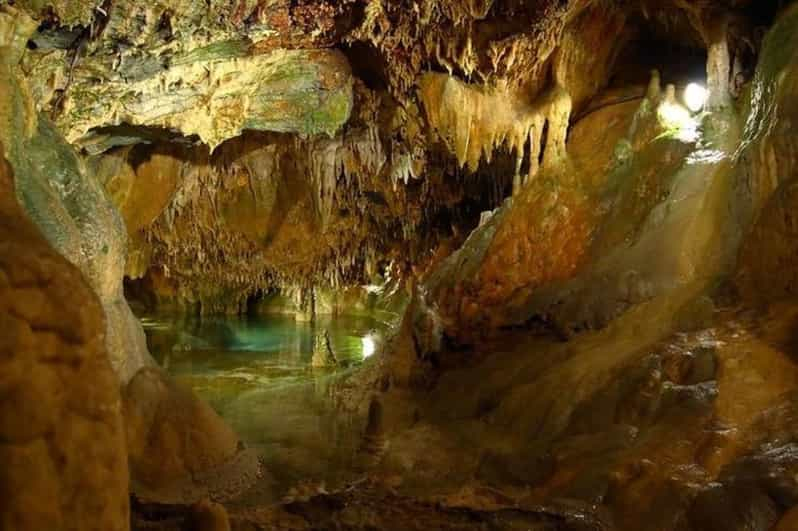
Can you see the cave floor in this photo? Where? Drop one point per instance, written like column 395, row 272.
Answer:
column 259, row 374
column 594, row 433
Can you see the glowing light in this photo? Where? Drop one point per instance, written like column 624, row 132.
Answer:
column 368, row 346
column 674, row 115
column 676, row 118
column 695, row 96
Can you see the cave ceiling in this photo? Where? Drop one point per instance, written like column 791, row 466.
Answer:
column 227, row 132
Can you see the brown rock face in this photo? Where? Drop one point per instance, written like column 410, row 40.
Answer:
column 767, row 265
column 62, row 445
column 171, row 433
column 180, row 449
column 209, row 516
column 768, row 259
column 789, row 521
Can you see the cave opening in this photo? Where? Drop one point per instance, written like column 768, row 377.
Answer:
column 679, row 63
column 367, row 64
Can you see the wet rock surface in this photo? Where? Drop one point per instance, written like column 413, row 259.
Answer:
column 179, row 449
column 694, row 431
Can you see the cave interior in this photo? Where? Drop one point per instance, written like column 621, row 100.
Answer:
column 398, row 264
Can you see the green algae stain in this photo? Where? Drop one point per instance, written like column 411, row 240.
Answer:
column 217, row 51
column 331, row 116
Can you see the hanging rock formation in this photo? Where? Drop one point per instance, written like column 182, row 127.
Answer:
column 246, row 105
column 212, row 93
column 474, row 123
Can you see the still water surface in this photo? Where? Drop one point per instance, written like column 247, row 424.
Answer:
column 256, row 372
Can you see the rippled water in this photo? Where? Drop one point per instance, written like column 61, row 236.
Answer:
column 257, row 373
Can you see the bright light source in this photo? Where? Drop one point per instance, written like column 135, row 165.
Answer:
column 695, row 96
column 676, row 119
column 373, row 289
column 674, row 116
column 368, row 346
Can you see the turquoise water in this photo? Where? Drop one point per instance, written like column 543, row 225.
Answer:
column 188, row 346
column 257, row 374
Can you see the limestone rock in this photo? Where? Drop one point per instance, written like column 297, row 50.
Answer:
column 769, row 254
column 180, row 450
column 71, row 208
column 323, row 354
column 62, row 444
column 473, row 121
column 69, row 205
column 209, row 516
column 567, row 254
column 789, row 521
column 214, row 93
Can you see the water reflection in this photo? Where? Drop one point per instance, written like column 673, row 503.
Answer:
column 270, row 335
column 256, row 372
column 368, row 345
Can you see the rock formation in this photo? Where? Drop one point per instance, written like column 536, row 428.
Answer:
column 71, row 209
column 63, row 452
column 68, row 204
column 595, row 277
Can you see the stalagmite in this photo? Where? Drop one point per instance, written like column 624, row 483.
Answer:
column 654, row 87
column 718, row 66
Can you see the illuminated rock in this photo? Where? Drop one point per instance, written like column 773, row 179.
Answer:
column 69, row 206
column 212, row 93
column 475, row 121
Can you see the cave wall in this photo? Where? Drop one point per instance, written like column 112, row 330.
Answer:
column 69, row 206
column 662, row 399
column 63, row 449
column 573, row 248
column 224, row 226
column 481, row 162
column 660, row 218
column 768, row 158
column 219, row 194
column 71, row 209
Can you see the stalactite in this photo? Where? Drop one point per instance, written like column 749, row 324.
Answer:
column 402, row 169
column 358, row 182
column 475, row 121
